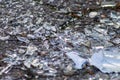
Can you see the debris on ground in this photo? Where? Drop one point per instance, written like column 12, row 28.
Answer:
column 54, row 39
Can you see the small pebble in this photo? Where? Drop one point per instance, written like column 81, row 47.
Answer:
column 21, row 51
column 92, row 14
column 103, row 16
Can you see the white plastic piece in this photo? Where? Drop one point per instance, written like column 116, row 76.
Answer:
column 107, row 60
column 79, row 61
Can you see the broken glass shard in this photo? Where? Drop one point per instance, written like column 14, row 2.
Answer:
column 31, row 49
column 107, row 60
column 79, row 61
column 108, row 4
column 23, row 39
column 4, row 38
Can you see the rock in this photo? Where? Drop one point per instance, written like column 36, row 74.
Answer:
column 21, row 51
column 92, row 14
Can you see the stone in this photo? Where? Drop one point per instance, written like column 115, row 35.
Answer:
column 93, row 14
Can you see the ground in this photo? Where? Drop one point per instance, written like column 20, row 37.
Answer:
column 36, row 35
